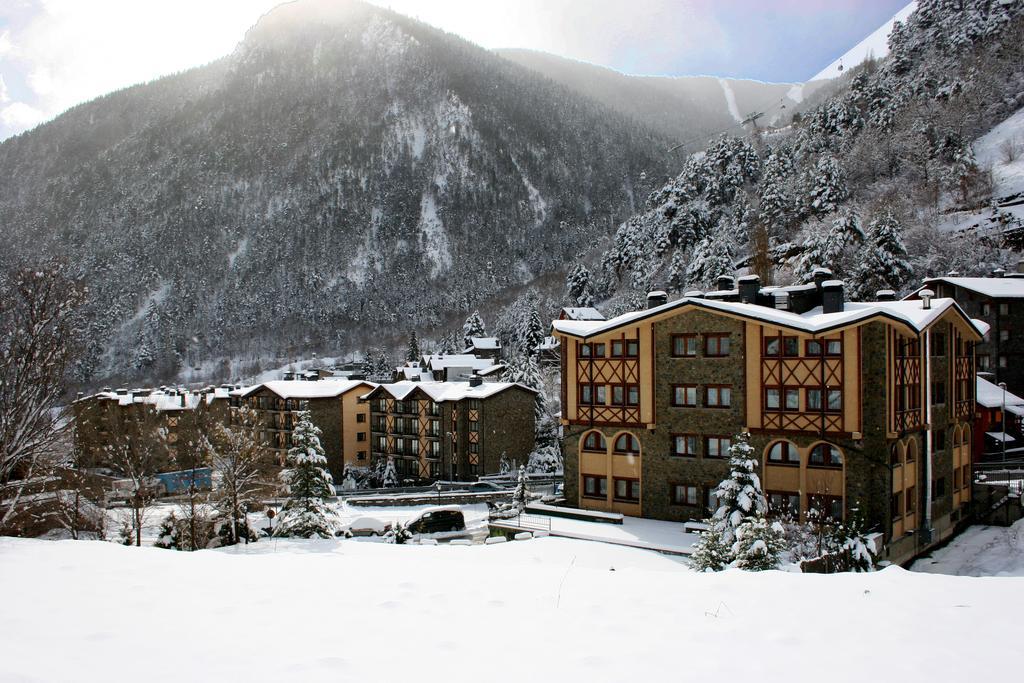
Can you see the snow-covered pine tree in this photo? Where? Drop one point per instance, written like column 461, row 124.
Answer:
column 677, row 272
column 829, row 248
column 520, row 496
column 533, row 335
column 389, row 479
column 580, row 285
column 711, row 258
column 412, row 353
column 306, row 513
column 884, row 263
column 473, row 327
column 740, row 496
column 759, row 544
column 826, row 187
column 524, row 369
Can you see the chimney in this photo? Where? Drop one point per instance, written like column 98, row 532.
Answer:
column 475, row 381
column 749, row 286
column 81, row 395
column 820, row 276
column 832, row 296
column 181, row 399
column 926, row 298
column 953, row 273
column 781, row 299
column 725, row 283
column 656, row 298
column 998, row 272
column 885, row 295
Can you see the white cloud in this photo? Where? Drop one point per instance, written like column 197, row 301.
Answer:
column 6, row 47
column 19, row 116
column 3, row 90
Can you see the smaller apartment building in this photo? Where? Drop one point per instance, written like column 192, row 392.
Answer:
column 848, row 404
column 451, row 430
column 334, row 407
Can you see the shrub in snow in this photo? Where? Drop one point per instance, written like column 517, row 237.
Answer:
column 389, row 478
column 759, row 544
column 176, row 533
column 397, row 533
column 545, row 460
column 711, row 553
column 167, row 538
column 126, row 533
column 307, row 514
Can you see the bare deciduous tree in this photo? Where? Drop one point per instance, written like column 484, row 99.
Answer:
column 38, row 333
column 137, row 448
column 239, row 460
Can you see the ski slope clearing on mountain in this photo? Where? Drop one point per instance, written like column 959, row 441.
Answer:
column 1002, row 151
column 544, row 609
column 874, row 46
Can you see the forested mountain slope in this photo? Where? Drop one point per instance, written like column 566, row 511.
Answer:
column 345, row 175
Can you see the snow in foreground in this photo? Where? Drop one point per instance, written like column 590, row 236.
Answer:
column 544, row 609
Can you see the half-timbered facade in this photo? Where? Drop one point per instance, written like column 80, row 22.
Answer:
column 843, row 402
column 450, row 430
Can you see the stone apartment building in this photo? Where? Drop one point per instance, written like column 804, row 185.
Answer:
column 451, row 430
column 334, row 407
column 848, row 404
column 98, row 416
column 999, row 302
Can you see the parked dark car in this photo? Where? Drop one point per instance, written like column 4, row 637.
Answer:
column 437, row 520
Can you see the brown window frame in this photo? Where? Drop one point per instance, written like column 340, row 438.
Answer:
column 673, row 500
column 783, row 391
column 695, row 388
column 718, row 387
column 635, row 352
column 707, row 446
column 696, row 443
column 629, row 498
column 597, row 486
column 684, row 338
column 824, row 397
column 586, row 437
column 708, row 336
column 615, row 444
column 788, row 494
column 622, row 348
column 824, row 465
column 791, row 449
column 825, row 500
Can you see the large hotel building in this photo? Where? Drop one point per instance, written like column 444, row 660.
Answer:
column 848, row 405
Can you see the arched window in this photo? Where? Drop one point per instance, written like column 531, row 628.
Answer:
column 958, row 436
column 895, row 456
column 627, row 443
column 912, row 450
column 825, row 455
column 594, row 441
column 783, row 453
column 965, row 439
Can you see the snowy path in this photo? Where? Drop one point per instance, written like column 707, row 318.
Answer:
column 544, row 609
column 979, row 551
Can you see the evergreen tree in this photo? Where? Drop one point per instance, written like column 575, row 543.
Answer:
column 307, row 514
column 382, row 368
column 677, row 272
column 826, row 188
column 523, row 369
column 740, row 496
column 828, row 248
column 884, row 263
column 711, row 258
column 759, row 544
column 521, row 496
column 533, row 334
column 413, row 352
column 473, row 327
column 389, row 478
column 581, row 286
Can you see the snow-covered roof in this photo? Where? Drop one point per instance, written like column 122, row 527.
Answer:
column 303, row 389
column 448, row 391
column 483, row 344
column 814, row 321
column 990, row 395
column 549, row 344
column 161, row 400
column 994, row 287
column 497, row 367
column 1000, row 436
column 440, row 361
column 582, row 313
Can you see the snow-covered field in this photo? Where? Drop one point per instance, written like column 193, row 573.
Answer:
column 543, row 609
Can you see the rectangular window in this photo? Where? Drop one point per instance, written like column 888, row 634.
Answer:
column 833, row 397
column 716, row 446
column 618, row 395
column 632, row 348
column 829, row 506
column 1002, row 361
column 938, row 393
column 632, row 394
column 784, row 503
column 360, row 417
column 717, row 396
column 684, row 445
column 911, row 500
column 939, row 440
column 896, row 505
column 600, row 394
column 1004, row 309
column 627, row 489
column 617, row 349
column 361, row 455
column 938, row 344
column 1004, row 335
column 986, row 309
column 835, row 400
column 595, row 487
column 813, row 347
column 586, row 394
column 585, row 351
column 939, row 488
column 983, row 361
column 685, row 494
column 772, row 346
column 790, row 346
column 684, row 345
column 599, row 350
column 716, row 345
column 773, row 398
column 834, row 347
column 684, row 395
column 360, row 436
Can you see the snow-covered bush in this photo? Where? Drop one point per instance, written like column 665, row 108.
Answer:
column 759, row 544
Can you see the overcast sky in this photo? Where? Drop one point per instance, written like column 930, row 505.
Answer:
column 57, row 53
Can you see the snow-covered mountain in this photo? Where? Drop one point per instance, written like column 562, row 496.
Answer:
column 874, row 46
column 346, row 175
